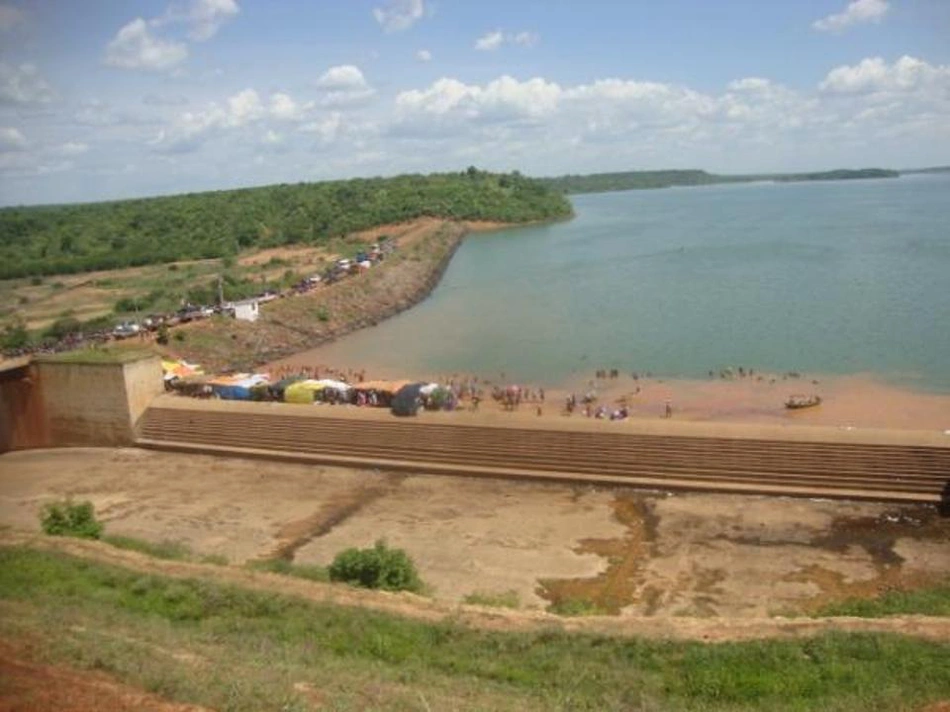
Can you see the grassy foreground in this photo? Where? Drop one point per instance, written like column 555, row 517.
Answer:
column 233, row 649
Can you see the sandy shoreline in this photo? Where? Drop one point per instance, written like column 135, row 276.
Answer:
column 854, row 401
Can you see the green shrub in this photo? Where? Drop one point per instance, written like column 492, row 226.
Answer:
column 162, row 336
column 179, row 335
column 14, row 336
column 68, row 518
column 323, row 314
column 378, row 567
column 63, row 327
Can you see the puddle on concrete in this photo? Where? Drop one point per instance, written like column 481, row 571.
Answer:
column 618, row 586
column 878, row 537
column 293, row 536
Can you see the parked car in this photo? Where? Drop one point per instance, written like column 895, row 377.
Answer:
column 125, row 330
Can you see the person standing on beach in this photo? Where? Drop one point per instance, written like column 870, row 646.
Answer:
column 669, row 409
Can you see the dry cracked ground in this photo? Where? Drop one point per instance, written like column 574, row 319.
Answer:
column 620, row 550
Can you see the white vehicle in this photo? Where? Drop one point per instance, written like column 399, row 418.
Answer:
column 125, row 330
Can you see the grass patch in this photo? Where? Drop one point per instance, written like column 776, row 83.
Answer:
column 171, row 550
column 311, row 572
column 931, row 601
column 215, row 559
column 99, row 354
column 166, row 549
column 229, row 648
column 508, row 599
column 577, row 607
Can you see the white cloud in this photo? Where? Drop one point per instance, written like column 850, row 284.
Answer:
column 272, row 138
column 94, row 112
column 284, row 108
column 857, row 12
column 424, row 55
column 495, row 39
column 326, row 129
column 134, row 47
column 345, row 76
column 398, row 15
column 750, row 84
column 11, row 140
column 23, row 85
column 503, row 98
column 857, row 115
column 205, row 17
column 190, row 129
column 525, row 39
column 243, row 107
column 873, row 74
column 490, row 41
column 344, row 85
column 10, row 17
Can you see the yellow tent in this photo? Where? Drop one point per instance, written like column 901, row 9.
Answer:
column 181, row 369
column 302, row 391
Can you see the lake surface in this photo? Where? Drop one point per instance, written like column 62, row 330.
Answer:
column 831, row 277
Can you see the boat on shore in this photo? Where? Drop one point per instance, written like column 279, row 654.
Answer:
column 795, row 402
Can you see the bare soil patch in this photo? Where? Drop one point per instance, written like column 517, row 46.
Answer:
column 641, row 554
column 27, row 685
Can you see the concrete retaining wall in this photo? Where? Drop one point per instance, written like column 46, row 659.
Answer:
column 95, row 403
column 22, row 424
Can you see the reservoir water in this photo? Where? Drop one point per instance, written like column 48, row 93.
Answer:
column 826, row 277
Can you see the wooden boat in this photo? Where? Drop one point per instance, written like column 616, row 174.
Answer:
column 799, row 401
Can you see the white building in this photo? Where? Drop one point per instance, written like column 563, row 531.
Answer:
column 247, row 310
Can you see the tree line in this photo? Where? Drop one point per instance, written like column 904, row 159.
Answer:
column 643, row 180
column 43, row 240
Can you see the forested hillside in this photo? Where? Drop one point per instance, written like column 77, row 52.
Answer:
column 76, row 238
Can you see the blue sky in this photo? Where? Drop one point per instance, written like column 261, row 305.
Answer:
column 111, row 99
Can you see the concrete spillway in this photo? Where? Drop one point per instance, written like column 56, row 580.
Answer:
column 888, row 471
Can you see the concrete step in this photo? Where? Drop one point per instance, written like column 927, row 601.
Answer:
column 825, row 469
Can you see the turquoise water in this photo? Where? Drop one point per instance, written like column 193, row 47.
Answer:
column 832, row 278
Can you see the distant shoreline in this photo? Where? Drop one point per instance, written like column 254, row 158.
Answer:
column 653, row 180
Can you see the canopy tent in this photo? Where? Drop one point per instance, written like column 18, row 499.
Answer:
column 441, row 398
column 335, row 385
column 278, row 389
column 302, row 391
column 390, row 387
column 408, row 400
column 180, row 369
column 237, row 387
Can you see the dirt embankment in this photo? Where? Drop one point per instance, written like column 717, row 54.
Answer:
column 420, row 608
column 700, row 566
column 424, row 249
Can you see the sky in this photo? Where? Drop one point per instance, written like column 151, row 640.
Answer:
column 107, row 99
